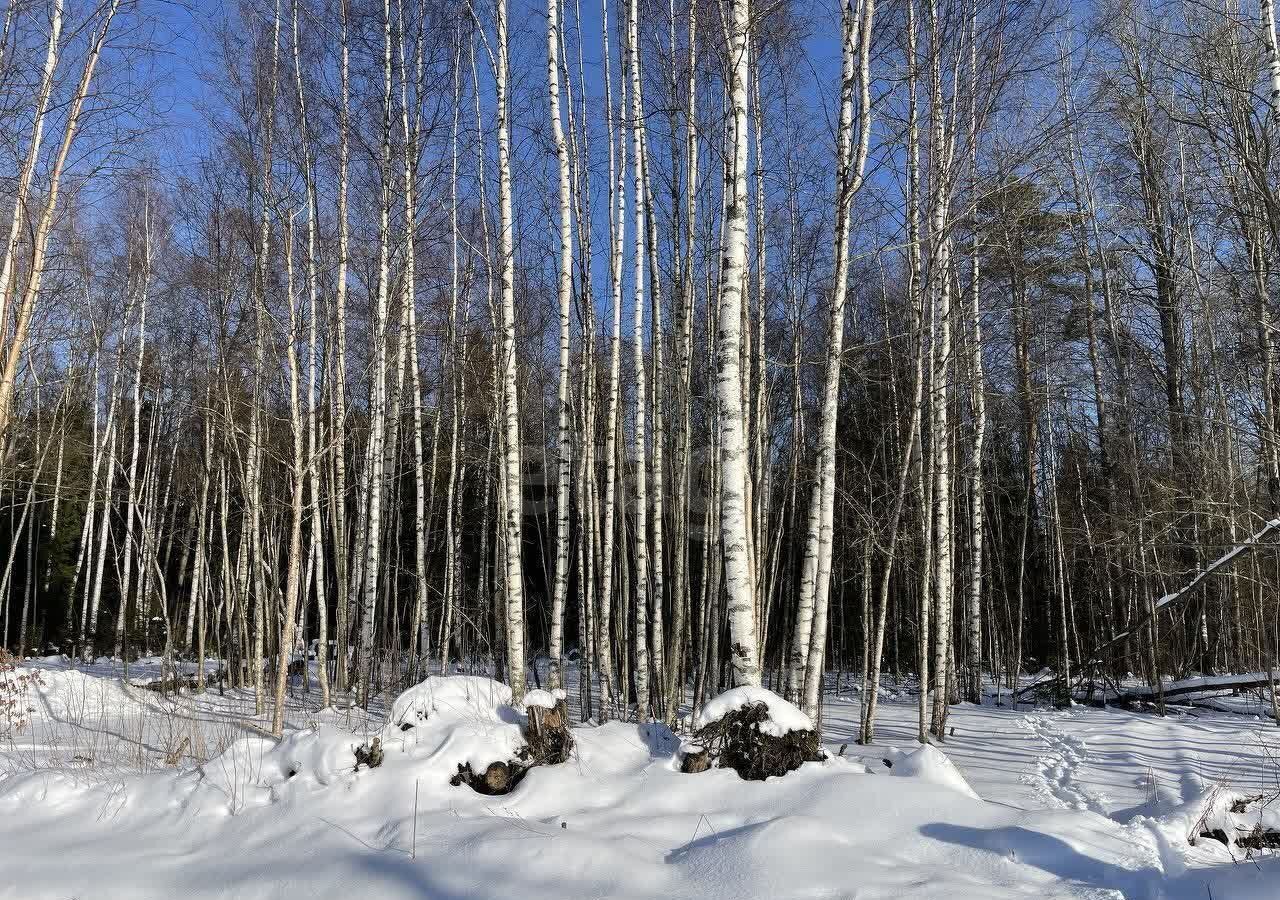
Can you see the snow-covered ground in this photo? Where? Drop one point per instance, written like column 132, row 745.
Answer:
column 114, row 791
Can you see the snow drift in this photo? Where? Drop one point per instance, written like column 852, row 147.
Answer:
column 266, row 819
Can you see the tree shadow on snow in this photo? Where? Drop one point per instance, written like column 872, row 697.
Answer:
column 658, row 738
column 1053, row 855
column 401, row 876
column 709, row 841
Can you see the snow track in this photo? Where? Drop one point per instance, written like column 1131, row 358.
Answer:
column 1058, row 770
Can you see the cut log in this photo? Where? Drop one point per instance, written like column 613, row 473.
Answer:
column 1258, row 838
column 497, row 778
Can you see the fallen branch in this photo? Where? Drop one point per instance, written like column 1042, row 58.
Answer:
column 1094, row 659
column 1180, row 595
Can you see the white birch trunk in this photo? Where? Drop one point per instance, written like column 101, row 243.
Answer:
column 564, row 291
column 252, row 554
column 640, row 632
column 317, row 556
column 511, row 431
column 411, row 135
column 808, row 654
column 377, row 385
column 453, row 580
column 978, row 401
column 617, row 197
column 126, row 576
column 1267, row 8
column 743, row 655
column 199, row 586
column 88, row 531
column 298, row 474
column 680, row 576
column 657, row 563
column 342, row 599
column 89, row 622
column 940, row 395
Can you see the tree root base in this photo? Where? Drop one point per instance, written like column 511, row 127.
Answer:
column 738, row 742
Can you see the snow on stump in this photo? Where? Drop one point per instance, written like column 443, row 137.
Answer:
column 547, row 742
column 547, row 733
column 754, row 732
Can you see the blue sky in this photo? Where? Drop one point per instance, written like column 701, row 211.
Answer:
column 183, row 27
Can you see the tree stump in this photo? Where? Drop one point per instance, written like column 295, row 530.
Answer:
column 695, row 759
column 548, row 736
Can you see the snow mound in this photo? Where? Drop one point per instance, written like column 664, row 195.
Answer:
column 73, row 696
column 434, row 728
column 784, row 717
column 317, row 756
column 932, row 765
column 454, row 695
column 458, row 720
column 244, row 774
column 258, row 771
column 544, row 699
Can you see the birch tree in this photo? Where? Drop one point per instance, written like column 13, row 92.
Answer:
column 375, row 459
column 40, row 236
column 513, row 483
column 807, row 654
column 564, row 292
column 743, row 653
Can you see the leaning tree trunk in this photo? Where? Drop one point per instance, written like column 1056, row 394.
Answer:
column 39, row 238
column 25, row 174
column 297, row 474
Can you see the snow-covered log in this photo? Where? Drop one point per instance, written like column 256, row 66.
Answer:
column 1201, row 684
